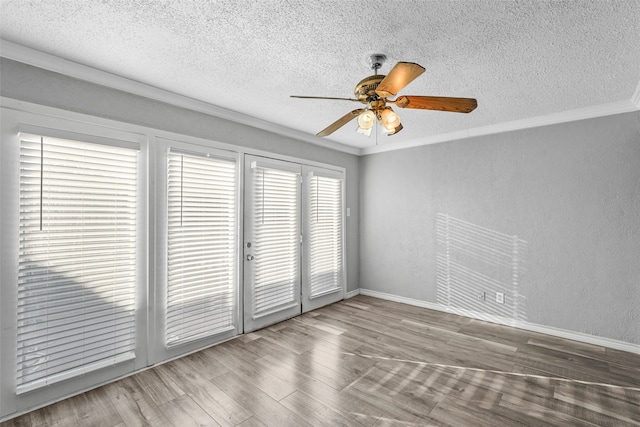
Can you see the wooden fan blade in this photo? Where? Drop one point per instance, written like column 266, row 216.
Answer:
column 340, row 122
column 455, row 105
column 323, row 97
column 401, row 75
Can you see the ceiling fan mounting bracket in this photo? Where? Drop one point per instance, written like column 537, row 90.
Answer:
column 376, row 61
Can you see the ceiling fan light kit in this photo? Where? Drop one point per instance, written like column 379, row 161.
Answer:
column 374, row 91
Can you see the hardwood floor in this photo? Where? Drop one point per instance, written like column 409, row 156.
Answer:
column 370, row 362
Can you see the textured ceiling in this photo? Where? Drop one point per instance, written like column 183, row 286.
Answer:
column 520, row 59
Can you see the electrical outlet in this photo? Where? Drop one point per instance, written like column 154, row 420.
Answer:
column 500, row 297
column 482, row 296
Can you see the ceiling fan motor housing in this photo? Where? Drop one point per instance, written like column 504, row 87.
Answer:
column 365, row 90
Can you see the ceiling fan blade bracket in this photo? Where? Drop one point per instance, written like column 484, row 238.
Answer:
column 401, row 101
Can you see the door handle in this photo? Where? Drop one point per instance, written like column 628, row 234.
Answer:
column 249, row 257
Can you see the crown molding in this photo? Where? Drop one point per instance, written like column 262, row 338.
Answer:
column 56, row 64
column 532, row 122
column 76, row 70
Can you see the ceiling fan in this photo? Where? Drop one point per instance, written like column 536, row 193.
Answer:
column 374, row 91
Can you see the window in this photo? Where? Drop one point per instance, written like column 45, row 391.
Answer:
column 202, row 247
column 77, row 257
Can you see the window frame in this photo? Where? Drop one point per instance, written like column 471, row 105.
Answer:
column 159, row 242
column 12, row 123
column 86, row 150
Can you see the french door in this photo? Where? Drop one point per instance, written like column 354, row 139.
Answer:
column 272, row 234
column 293, row 246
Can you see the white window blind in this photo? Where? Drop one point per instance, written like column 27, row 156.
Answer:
column 324, row 225
column 77, row 258
column 277, row 239
column 202, row 251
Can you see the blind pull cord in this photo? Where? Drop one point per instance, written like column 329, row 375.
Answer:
column 181, row 186
column 41, row 176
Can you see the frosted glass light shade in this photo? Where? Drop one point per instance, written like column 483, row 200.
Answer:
column 390, row 121
column 366, row 120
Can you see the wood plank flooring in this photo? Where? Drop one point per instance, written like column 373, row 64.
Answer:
column 371, row 362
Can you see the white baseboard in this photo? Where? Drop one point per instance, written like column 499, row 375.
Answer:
column 351, row 294
column 533, row 327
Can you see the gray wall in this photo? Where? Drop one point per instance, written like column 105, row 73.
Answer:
column 569, row 192
column 27, row 83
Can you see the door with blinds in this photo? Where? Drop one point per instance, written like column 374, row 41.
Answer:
column 272, row 241
column 323, row 243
